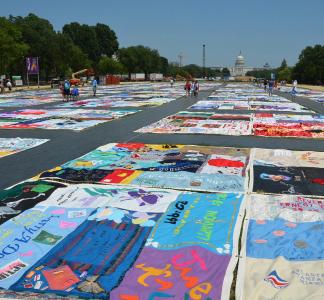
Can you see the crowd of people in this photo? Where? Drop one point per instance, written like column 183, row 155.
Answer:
column 69, row 93
column 270, row 85
column 191, row 88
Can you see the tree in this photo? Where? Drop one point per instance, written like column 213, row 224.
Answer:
column 200, row 72
column 310, row 66
column 226, row 72
column 213, row 72
column 85, row 37
column 94, row 41
column 107, row 65
column 140, row 59
column 265, row 73
column 77, row 47
column 164, row 69
column 283, row 64
column 12, row 47
column 193, row 70
column 71, row 57
column 39, row 34
column 285, row 74
column 107, row 40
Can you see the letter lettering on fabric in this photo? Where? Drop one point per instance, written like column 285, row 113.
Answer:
column 128, row 297
column 150, row 271
column 196, row 258
column 203, row 288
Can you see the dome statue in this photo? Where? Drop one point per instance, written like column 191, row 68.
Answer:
column 240, row 61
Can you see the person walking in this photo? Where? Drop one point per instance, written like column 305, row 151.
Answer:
column 271, row 85
column 295, row 83
column 75, row 94
column 187, row 88
column 66, row 90
column 192, row 88
column 265, row 84
column 9, row 85
column 171, row 82
column 294, row 89
column 196, row 90
column 94, row 86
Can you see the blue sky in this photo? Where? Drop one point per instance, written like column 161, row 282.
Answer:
column 265, row 31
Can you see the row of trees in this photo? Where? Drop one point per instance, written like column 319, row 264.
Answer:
column 80, row 46
column 309, row 68
column 196, row 71
column 284, row 72
column 77, row 47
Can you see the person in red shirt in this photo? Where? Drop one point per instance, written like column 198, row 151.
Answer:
column 187, row 88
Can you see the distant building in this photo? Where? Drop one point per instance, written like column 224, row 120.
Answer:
column 240, row 68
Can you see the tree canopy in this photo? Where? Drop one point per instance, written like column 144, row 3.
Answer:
column 108, row 65
column 310, row 66
column 12, row 46
column 79, row 46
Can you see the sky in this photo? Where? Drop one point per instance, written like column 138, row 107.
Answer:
column 265, row 31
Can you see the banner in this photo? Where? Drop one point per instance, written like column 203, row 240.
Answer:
column 32, row 65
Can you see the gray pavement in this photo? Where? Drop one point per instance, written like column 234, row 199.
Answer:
column 65, row 145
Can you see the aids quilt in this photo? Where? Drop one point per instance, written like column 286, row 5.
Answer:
column 283, row 256
column 287, row 172
column 77, row 119
column 202, row 123
column 99, row 241
column 247, row 97
column 282, row 241
column 133, row 95
column 10, row 146
column 28, row 98
column 250, row 105
column 93, row 228
column 184, row 167
column 123, row 92
column 259, row 124
column 284, row 125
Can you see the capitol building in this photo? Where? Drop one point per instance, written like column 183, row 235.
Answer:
column 240, row 68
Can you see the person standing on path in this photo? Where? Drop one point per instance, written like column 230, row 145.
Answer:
column 295, row 83
column 9, row 85
column 67, row 88
column 294, row 91
column 196, row 90
column 94, row 87
column 187, row 88
column 192, row 88
column 271, row 85
column 265, row 83
column 171, row 82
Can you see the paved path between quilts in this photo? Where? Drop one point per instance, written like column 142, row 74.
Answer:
column 66, row 145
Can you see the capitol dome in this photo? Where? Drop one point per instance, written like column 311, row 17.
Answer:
column 240, row 61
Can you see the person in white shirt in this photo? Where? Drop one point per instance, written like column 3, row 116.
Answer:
column 94, row 87
column 9, row 85
column 294, row 91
